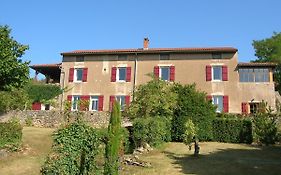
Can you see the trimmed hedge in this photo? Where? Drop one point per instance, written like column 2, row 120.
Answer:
column 10, row 134
column 232, row 130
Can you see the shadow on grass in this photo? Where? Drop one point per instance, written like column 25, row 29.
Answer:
column 257, row 161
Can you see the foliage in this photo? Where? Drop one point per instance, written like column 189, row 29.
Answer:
column 12, row 100
column 155, row 98
column 151, row 130
column 114, row 142
column 10, row 134
column 269, row 50
column 29, row 121
column 190, row 132
column 14, row 72
column 192, row 104
column 265, row 127
column 232, row 130
column 74, row 150
column 42, row 92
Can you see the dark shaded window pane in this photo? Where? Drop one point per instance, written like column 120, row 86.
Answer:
column 216, row 56
column 122, row 73
column 79, row 73
column 217, row 73
column 122, row 57
column 79, row 58
column 164, row 57
column 165, row 73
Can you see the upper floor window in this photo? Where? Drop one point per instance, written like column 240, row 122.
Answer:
column 78, row 74
column 253, row 75
column 79, row 58
column 121, row 74
column 217, row 73
column 166, row 73
column 216, row 56
column 164, row 56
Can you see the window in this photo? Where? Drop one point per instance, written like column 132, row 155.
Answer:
column 218, row 101
column 165, row 73
column 121, row 100
column 217, row 73
column 78, row 75
column 216, row 56
column 121, row 74
column 253, row 75
column 164, row 57
column 254, row 107
column 79, row 58
column 122, row 57
column 75, row 100
column 94, row 103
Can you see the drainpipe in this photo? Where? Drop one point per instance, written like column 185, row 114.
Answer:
column 135, row 74
column 62, row 87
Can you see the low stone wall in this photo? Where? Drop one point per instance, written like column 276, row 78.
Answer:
column 54, row 118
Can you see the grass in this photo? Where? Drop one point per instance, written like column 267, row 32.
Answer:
column 171, row 158
column 36, row 145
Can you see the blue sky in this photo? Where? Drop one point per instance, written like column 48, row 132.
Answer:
column 55, row 26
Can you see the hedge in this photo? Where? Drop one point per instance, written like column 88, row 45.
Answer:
column 232, row 130
column 10, row 134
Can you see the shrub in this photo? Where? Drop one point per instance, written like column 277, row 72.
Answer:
column 190, row 132
column 10, row 135
column 74, row 150
column 265, row 128
column 152, row 130
column 12, row 100
column 232, row 130
column 29, row 121
column 192, row 104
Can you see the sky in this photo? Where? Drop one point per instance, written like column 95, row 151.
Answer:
column 51, row 27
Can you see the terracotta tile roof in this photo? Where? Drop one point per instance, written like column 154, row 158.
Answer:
column 45, row 65
column 153, row 50
column 255, row 64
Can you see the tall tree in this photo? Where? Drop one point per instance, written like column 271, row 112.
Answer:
column 14, row 72
column 269, row 50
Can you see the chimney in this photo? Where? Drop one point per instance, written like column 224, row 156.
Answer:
column 145, row 43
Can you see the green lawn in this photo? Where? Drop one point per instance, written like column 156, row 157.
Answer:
column 172, row 158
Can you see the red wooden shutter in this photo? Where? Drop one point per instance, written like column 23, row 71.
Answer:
column 36, row 106
column 244, row 107
column 172, row 73
column 128, row 74
column 224, row 73
column 113, row 74
column 127, row 100
column 225, row 103
column 208, row 73
column 100, row 103
column 71, row 75
column 85, row 73
column 209, row 98
column 156, row 71
column 111, row 101
column 83, row 102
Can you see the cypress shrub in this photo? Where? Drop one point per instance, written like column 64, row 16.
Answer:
column 10, row 134
column 232, row 130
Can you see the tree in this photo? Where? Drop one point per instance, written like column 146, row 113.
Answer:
column 114, row 142
column 14, row 72
column 269, row 50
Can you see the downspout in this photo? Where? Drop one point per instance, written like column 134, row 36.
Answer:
column 62, row 87
column 135, row 74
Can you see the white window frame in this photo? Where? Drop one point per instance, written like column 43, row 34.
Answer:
column 119, row 98
column 213, row 73
column 217, row 102
column 160, row 72
column 117, row 74
column 77, row 97
column 75, row 74
column 94, row 98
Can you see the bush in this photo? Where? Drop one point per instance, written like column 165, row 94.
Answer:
column 265, row 128
column 192, row 104
column 151, row 130
column 29, row 121
column 12, row 100
column 10, row 135
column 232, row 130
column 74, row 150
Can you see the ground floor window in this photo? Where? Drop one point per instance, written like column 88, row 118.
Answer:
column 94, row 103
column 254, row 107
column 218, row 101
column 75, row 100
column 121, row 100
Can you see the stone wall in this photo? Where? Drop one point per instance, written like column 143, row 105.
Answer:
column 54, row 118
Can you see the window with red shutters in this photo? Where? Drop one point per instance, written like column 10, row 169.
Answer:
column 128, row 74
column 85, row 73
column 100, row 103
column 156, row 71
column 172, row 73
column 84, row 102
column 208, row 73
column 111, row 101
column 244, row 108
column 225, row 103
column 224, row 73
column 113, row 74
column 127, row 100
column 71, row 75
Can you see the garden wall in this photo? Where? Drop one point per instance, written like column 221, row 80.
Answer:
column 54, row 118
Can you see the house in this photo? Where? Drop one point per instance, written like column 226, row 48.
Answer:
column 101, row 76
